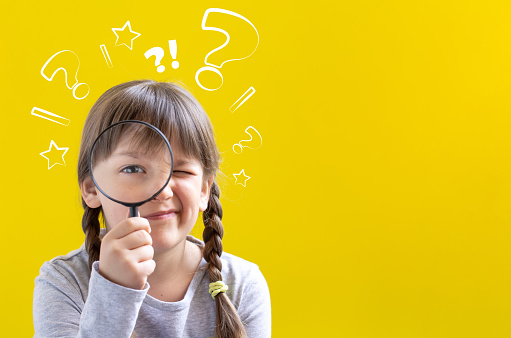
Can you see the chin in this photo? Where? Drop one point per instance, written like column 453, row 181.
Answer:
column 166, row 239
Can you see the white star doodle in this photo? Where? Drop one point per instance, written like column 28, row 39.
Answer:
column 52, row 154
column 126, row 35
column 242, row 172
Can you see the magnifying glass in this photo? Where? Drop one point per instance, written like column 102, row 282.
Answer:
column 131, row 162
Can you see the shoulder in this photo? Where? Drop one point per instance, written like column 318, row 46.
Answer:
column 237, row 269
column 251, row 295
column 244, row 278
column 70, row 271
column 240, row 270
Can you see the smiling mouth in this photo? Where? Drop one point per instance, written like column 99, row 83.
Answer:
column 162, row 215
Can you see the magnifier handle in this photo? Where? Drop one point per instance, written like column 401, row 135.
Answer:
column 134, row 211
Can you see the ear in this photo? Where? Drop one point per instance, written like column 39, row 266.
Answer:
column 90, row 193
column 204, row 194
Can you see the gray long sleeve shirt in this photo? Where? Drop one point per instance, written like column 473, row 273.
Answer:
column 69, row 301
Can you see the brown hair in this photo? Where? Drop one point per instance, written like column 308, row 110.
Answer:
column 179, row 116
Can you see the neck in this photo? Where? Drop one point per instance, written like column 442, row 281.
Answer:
column 173, row 263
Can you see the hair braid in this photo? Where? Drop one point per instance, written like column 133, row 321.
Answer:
column 91, row 228
column 228, row 323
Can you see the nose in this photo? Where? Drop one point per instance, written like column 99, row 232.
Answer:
column 166, row 193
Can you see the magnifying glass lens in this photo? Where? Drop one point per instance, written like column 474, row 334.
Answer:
column 131, row 162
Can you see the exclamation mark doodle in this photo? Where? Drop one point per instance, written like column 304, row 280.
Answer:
column 173, row 53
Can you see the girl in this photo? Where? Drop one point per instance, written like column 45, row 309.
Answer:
column 146, row 276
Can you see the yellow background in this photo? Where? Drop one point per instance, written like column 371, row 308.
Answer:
column 380, row 202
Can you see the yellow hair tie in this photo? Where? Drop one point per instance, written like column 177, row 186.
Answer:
column 217, row 287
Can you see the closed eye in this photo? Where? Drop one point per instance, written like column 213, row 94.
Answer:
column 184, row 173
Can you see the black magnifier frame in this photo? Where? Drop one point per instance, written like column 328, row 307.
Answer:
column 133, row 206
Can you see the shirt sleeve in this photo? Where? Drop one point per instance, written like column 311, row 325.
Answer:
column 110, row 310
column 255, row 307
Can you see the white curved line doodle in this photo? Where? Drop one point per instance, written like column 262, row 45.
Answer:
column 206, row 28
column 76, row 84
column 244, row 146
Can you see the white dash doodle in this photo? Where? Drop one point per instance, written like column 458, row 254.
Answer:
column 106, row 56
column 44, row 114
column 245, row 97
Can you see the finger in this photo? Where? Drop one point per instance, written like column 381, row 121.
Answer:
column 136, row 239
column 127, row 217
column 130, row 225
column 147, row 267
column 142, row 253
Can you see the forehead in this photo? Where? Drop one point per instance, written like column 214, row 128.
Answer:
column 179, row 156
column 126, row 147
column 131, row 148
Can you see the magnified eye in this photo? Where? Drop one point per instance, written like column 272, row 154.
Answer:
column 132, row 169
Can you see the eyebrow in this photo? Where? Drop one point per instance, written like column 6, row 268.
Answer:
column 181, row 162
column 129, row 153
column 137, row 155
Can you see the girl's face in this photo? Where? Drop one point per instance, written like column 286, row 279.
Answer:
column 173, row 213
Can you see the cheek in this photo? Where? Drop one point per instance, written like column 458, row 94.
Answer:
column 114, row 212
column 188, row 192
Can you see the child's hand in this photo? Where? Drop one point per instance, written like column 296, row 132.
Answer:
column 126, row 256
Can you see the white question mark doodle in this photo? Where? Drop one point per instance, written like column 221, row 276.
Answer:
column 64, row 56
column 158, row 53
column 210, row 66
column 259, row 141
